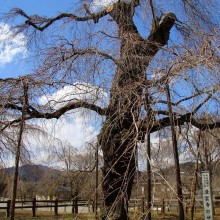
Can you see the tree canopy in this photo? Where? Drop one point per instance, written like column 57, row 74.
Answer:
column 157, row 64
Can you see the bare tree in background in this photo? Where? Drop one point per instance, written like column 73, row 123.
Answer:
column 175, row 152
column 115, row 56
column 203, row 150
column 78, row 169
column 24, row 100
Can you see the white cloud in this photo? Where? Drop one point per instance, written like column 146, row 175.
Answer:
column 75, row 92
column 98, row 5
column 77, row 127
column 11, row 47
column 101, row 3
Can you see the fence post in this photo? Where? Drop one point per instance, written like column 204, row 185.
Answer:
column 89, row 206
column 163, row 206
column 93, row 205
column 34, row 207
column 143, row 208
column 76, row 202
column 8, row 208
column 56, row 207
column 73, row 206
column 168, row 206
column 186, row 207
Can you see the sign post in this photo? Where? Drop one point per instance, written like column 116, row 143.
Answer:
column 207, row 199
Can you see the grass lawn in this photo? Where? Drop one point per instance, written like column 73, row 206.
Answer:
column 26, row 215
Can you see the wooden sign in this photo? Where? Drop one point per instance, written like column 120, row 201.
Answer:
column 207, row 199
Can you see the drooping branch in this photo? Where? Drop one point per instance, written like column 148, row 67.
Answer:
column 187, row 118
column 205, row 125
column 16, row 121
column 33, row 113
column 11, row 106
column 198, row 92
column 89, row 51
column 201, row 104
column 201, row 92
column 41, row 23
column 70, row 106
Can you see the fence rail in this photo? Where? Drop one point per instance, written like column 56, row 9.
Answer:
column 55, row 204
column 135, row 204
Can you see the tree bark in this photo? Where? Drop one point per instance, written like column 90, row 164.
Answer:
column 149, row 188
column 96, row 180
column 149, row 198
column 176, row 156
column 17, row 156
column 123, row 127
column 195, row 178
column 121, row 130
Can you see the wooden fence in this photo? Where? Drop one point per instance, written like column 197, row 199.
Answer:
column 166, row 205
column 52, row 204
column 134, row 204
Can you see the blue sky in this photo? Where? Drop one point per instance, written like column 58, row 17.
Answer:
column 17, row 65
column 48, row 7
column 75, row 129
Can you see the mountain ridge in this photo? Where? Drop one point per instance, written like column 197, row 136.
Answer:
column 32, row 172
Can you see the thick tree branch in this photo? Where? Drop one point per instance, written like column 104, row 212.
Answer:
column 68, row 107
column 187, row 118
column 10, row 123
column 41, row 23
column 160, row 33
column 33, row 113
column 11, row 106
column 204, row 126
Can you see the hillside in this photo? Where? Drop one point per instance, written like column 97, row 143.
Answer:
column 33, row 173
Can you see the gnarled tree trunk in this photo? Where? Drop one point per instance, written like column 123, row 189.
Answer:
column 121, row 130
column 123, row 127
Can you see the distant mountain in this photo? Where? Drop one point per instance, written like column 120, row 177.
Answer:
column 33, row 173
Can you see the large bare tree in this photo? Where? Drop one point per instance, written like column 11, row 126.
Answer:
column 124, row 49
